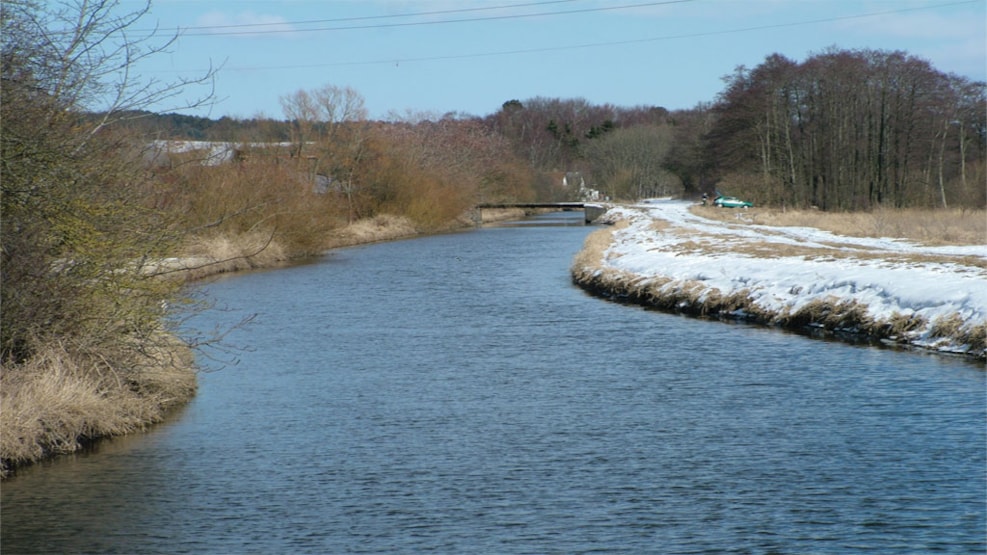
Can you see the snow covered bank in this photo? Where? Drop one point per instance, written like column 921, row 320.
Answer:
column 662, row 255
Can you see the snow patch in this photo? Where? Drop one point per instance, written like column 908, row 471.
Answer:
column 887, row 287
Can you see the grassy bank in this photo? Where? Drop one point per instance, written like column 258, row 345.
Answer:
column 59, row 401
column 830, row 315
column 219, row 253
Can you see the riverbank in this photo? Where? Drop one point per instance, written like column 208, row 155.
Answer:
column 59, row 402
column 206, row 257
column 661, row 255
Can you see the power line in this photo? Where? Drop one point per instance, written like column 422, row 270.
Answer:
column 398, row 61
column 420, row 23
column 373, row 17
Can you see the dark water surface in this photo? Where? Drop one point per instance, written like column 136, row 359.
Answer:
column 456, row 394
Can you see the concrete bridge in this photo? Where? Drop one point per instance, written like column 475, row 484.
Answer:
column 591, row 210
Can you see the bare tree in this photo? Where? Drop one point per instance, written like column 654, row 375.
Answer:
column 848, row 130
column 330, row 126
column 299, row 107
column 74, row 234
column 630, row 162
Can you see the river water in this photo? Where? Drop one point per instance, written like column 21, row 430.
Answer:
column 457, row 394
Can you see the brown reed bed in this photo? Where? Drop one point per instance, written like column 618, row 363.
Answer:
column 59, row 400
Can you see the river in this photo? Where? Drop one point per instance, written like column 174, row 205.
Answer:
column 457, row 394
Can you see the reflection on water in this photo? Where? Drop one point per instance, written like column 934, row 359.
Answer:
column 552, row 219
column 457, row 394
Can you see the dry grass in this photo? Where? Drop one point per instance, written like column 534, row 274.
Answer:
column 57, row 401
column 931, row 227
column 954, row 328
column 695, row 298
column 707, row 243
column 831, row 314
column 589, row 272
column 384, row 227
column 219, row 253
column 222, row 252
column 490, row 215
column 590, row 258
column 848, row 318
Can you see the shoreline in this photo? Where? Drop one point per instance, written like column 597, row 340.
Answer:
column 153, row 394
column 841, row 326
column 60, row 403
column 660, row 257
column 54, row 406
column 258, row 252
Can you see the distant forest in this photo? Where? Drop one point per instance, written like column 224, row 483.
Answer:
column 843, row 130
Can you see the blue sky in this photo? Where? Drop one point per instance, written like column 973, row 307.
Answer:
column 470, row 56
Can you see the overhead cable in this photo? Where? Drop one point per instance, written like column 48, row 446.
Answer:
column 282, row 30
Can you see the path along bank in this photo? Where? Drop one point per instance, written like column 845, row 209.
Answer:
column 658, row 254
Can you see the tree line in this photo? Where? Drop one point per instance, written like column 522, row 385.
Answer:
column 842, row 130
column 852, row 130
